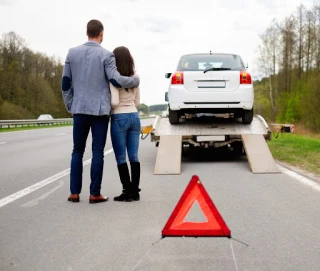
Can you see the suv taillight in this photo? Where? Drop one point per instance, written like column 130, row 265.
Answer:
column 177, row 78
column 245, row 78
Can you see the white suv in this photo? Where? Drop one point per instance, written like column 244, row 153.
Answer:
column 210, row 83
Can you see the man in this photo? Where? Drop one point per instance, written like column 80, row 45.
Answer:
column 85, row 88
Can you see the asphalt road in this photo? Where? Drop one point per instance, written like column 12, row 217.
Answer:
column 275, row 215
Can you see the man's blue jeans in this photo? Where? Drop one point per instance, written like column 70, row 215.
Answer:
column 125, row 135
column 81, row 128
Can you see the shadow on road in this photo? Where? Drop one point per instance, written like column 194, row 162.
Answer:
column 193, row 154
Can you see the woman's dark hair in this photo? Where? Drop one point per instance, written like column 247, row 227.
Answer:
column 124, row 61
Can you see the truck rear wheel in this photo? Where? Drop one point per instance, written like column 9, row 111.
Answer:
column 174, row 117
column 238, row 148
column 247, row 116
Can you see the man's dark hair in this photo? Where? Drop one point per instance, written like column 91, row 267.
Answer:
column 94, row 28
column 124, row 61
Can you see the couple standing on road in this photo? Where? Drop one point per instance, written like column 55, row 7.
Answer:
column 97, row 83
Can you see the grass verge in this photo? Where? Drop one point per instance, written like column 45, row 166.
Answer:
column 24, row 128
column 297, row 150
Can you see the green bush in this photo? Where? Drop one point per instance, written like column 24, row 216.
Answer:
column 10, row 111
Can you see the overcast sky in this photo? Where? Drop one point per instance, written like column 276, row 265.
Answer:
column 156, row 32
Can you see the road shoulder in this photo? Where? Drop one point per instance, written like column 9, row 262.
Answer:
column 313, row 176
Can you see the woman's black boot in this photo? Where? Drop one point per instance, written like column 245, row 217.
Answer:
column 135, row 180
column 125, row 180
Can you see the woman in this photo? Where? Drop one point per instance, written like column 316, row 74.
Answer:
column 125, row 128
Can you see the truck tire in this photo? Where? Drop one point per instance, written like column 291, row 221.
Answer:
column 174, row 117
column 238, row 149
column 247, row 116
column 185, row 151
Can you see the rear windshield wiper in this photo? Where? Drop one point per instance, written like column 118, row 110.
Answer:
column 216, row 69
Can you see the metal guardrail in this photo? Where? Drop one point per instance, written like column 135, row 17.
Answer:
column 31, row 122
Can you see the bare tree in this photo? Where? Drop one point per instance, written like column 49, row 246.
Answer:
column 300, row 31
column 12, row 46
column 316, row 12
column 310, row 41
column 267, row 59
column 288, row 37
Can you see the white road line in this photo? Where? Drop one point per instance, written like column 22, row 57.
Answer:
column 24, row 131
column 233, row 255
column 41, row 184
column 36, row 201
column 2, row 143
column 60, row 134
column 300, row 178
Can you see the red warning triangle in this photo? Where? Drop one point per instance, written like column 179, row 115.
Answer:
column 177, row 226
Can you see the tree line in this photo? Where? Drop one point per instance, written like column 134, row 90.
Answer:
column 289, row 65
column 30, row 83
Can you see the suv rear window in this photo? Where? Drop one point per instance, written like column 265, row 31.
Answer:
column 203, row 62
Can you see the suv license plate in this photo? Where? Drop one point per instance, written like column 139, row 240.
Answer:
column 211, row 84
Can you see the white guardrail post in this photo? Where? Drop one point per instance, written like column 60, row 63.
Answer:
column 31, row 122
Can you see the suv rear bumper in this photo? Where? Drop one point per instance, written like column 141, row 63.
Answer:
column 215, row 107
column 223, row 101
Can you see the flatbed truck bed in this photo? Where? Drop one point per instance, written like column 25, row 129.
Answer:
column 204, row 132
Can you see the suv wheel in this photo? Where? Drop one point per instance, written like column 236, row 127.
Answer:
column 173, row 117
column 247, row 116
